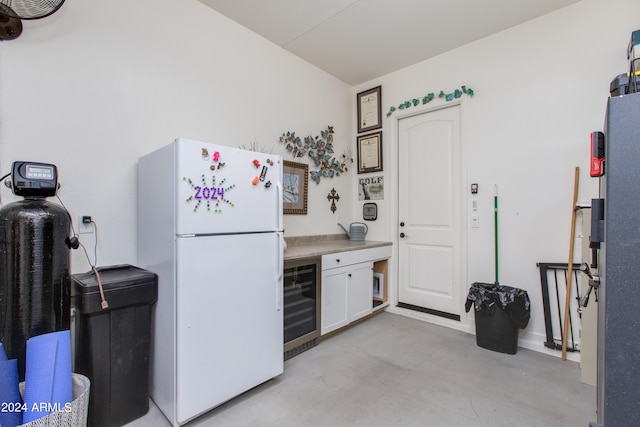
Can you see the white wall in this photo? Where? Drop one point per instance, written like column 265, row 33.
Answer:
column 100, row 83
column 540, row 89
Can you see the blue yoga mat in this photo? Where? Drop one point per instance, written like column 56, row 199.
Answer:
column 11, row 413
column 48, row 375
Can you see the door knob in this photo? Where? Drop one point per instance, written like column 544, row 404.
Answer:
column 402, row 235
column 402, row 224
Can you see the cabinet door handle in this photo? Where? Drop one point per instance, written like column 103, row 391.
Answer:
column 337, row 259
column 349, row 274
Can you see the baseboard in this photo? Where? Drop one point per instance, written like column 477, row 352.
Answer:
column 436, row 320
column 529, row 340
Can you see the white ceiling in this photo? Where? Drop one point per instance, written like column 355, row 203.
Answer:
column 360, row 40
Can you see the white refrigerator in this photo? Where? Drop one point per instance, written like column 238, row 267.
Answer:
column 210, row 225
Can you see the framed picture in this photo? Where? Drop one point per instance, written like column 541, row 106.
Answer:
column 295, row 182
column 370, row 152
column 369, row 109
column 371, row 188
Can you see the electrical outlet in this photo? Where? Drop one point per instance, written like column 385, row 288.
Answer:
column 84, row 225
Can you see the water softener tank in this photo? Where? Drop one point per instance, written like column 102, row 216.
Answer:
column 34, row 261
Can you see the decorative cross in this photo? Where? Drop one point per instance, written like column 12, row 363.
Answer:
column 333, row 196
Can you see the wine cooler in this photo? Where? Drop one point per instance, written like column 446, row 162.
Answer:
column 301, row 305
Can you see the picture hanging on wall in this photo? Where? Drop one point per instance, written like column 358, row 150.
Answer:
column 370, row 152
column 369, row 109
column 295, row 180
column 371, row 188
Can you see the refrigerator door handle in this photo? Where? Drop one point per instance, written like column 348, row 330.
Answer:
column 279, row 277
column 279, row 208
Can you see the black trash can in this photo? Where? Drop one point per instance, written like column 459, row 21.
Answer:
column 499, row 311
column 112, row 345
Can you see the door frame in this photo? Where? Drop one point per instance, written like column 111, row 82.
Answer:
column 466, row 322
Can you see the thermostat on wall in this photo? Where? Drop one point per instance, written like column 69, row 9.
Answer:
column 370, row 211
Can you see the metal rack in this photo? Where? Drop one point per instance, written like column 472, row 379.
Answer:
column 556, row 273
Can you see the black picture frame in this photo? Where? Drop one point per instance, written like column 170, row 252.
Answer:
column 369, row 104
column 370, row 152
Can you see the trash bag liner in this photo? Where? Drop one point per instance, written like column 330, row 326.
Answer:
column 486, row 297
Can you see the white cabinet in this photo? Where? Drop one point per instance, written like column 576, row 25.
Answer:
column 360, row 285
column 334, row 300
column 347, row 286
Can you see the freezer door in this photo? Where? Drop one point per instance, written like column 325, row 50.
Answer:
column 226, row 190
column 229, row 318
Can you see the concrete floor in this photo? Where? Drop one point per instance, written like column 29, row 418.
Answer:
column 395, row 371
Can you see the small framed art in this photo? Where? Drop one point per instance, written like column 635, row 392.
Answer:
column 295, row 181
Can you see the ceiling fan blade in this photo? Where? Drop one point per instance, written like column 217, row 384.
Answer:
column 32, row 9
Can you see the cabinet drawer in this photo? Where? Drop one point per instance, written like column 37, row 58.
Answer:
column 372, row 254
column 335, row 260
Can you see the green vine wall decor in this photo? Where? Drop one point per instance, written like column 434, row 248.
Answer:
column 430, row 97
column 320, row 150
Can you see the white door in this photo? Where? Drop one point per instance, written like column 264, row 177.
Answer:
column 430, row 227
column 335, row 297
column 223, row 189
column 229, row 322
column 360, row 290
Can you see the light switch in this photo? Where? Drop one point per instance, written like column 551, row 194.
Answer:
column 475, row 221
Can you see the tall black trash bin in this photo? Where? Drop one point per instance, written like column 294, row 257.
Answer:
column 500, row 311
column 112, row 346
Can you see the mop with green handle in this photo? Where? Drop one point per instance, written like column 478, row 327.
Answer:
column 495, row 226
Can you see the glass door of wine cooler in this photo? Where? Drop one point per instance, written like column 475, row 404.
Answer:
column 301, row 305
